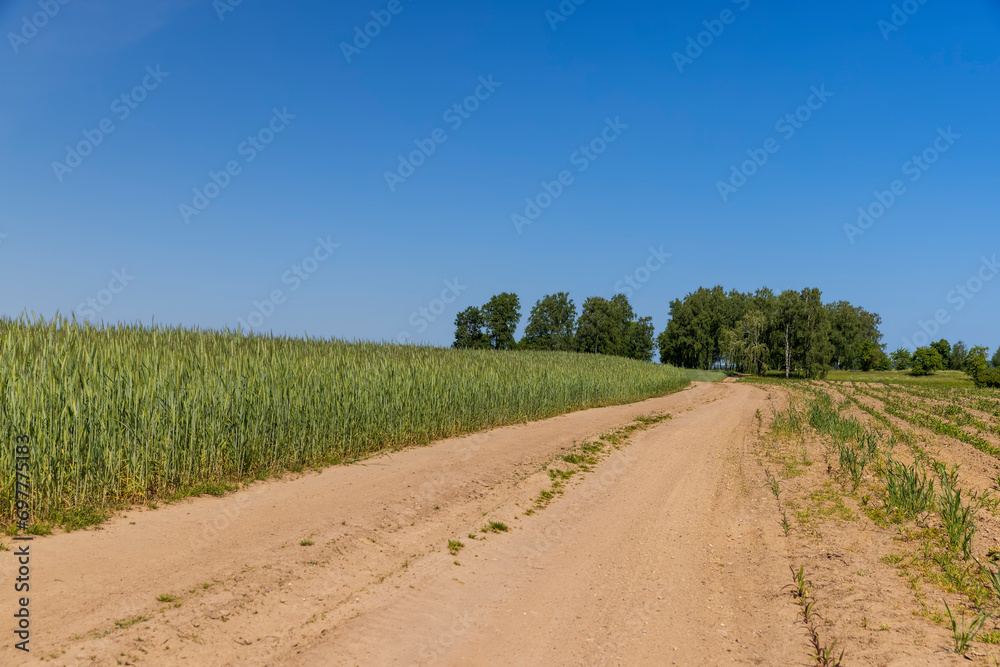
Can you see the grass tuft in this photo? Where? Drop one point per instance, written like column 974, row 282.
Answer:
column 496, row 527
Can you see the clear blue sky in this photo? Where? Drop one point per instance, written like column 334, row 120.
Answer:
column 555, row 85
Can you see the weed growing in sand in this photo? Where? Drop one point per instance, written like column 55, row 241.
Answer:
column 958, row 519
column 454, row 546
column 965, row 635
column 801, row 585
column 991, row 637
column 853, row 464
column 129, row 622
column 772, row 483
column 908, row 489
column 991, row 575
column 824, row 655
column 496, row 527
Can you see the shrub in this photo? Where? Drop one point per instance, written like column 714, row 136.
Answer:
column 989, row 378
column 927, row 360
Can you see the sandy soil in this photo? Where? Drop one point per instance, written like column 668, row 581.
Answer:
column 670, row 551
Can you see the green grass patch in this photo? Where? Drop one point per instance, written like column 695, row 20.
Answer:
column 697, row 375
column 76, row 518
column 129, row 622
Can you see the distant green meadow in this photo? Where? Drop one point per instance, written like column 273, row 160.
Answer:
column 132, row 413
column 696, row 375
column 952, row 379
column 938, row 379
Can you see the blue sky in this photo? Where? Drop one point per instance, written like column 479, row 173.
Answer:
column 301, row 131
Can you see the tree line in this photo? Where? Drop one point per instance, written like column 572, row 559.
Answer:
column 604, row 326
column 942, row 355
column 761, row 331
column 752, row 332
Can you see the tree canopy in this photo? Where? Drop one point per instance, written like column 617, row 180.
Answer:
column 902, row 359
column 501, row 315
column 605, row 326
column 943, row 348
column 755, row 332
column 469, row 330
column 551, row 324
column 928, row 360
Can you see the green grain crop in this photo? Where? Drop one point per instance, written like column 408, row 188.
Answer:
column 132, row 413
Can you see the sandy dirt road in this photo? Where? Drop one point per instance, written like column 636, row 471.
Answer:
column 668, row 552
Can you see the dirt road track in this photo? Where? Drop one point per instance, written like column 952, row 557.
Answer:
column 668, row 552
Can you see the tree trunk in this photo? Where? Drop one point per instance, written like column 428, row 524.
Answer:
column 788, row 352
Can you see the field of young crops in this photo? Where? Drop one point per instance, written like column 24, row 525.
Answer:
column 969, row 415
column 899, row 458
column 136, row 413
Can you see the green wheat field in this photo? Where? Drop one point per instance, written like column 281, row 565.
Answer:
column 130, row 414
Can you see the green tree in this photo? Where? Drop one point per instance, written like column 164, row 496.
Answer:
column 959, row 352
column 693, row 337
column 989, row 378
column 639, row 339
column 469, row 330
column 884, row 363
column 975, row 362
column 746, row 343
column 851, row 328
column 501, row 315
column 551, row 324
column 787, row 316
column 815, row 350
column 869, row 355
column 927, row 360
column 902, row 359
column 597, row 330
column 799, row 334
column 609, row 326
column 943, row 348
column 995, row 361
